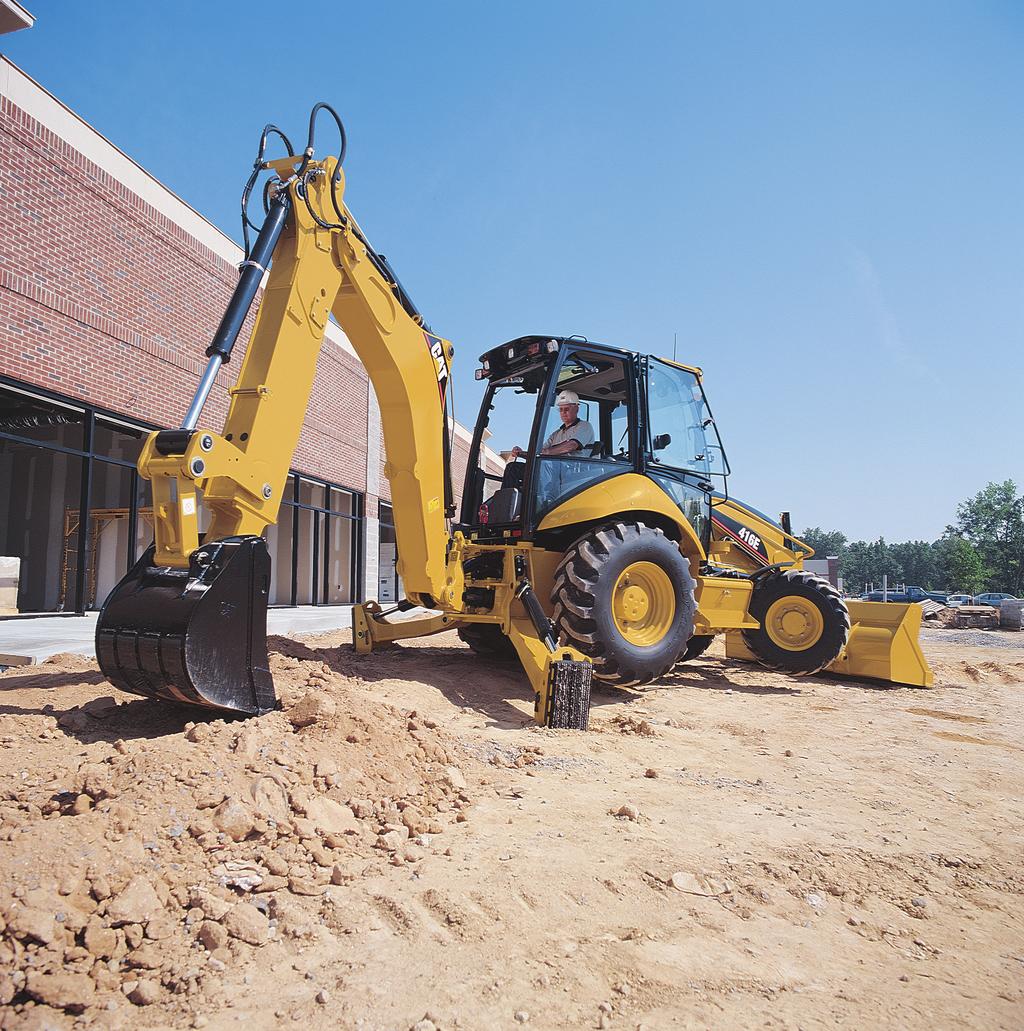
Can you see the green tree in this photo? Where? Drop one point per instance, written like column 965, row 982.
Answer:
column 916, row 560
column 866, row 563
column 984, row 549
column 824, row 542
column 855, row 567
column 960, row 567
column 993, row 521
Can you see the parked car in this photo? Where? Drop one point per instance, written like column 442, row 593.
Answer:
column 908, row 594
column 956, row 600
column 992, row 599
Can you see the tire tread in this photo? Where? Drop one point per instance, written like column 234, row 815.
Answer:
column 575, row 581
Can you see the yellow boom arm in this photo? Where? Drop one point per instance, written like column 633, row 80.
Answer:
column 188, row 621
column 322, row 265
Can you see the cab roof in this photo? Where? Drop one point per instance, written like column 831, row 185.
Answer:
column 523, row 345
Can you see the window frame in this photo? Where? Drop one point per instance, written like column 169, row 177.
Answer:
column 91, row 413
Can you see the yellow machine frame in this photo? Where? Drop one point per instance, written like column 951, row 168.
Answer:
column 242, row 471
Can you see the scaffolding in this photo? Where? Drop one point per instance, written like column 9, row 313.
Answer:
column 100, row 519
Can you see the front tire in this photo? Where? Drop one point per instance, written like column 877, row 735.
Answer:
column 623, row 596
column 804, row 623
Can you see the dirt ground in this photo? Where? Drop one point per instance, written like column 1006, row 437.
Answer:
column 401, row 848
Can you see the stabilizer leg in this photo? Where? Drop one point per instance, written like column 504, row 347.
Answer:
column 370, row 630
column 560, row 679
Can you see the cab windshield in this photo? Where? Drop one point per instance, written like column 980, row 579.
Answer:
column 543, row 455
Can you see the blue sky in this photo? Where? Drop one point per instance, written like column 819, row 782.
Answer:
column 823, row 201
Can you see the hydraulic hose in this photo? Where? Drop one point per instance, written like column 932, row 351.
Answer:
column 257, row 167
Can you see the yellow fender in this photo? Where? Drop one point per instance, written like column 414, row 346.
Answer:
column 626, row 496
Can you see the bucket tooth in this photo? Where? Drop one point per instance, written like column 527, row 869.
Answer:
column 196, row 635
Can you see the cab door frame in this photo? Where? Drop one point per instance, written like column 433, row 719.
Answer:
column 545, row 402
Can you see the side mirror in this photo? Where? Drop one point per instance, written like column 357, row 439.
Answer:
column 662, row 441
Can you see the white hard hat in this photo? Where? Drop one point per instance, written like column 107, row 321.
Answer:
column 567, row 397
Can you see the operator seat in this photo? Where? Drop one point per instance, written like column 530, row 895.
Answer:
column 503, row 506
column 513, row 474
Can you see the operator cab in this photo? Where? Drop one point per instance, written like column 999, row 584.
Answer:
column 508, row 494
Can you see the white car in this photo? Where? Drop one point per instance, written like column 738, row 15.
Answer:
column 955, row 600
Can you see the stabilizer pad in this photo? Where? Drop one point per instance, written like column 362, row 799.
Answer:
column 569, row 694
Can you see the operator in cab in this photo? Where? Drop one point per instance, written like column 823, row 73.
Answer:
column 572, row 436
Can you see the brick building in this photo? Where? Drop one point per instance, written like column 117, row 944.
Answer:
column 110, row 288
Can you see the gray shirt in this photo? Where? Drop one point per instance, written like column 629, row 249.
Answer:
column 579, row 430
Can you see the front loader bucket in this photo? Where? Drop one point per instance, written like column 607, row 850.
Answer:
column 196, row 635
column 884, row 644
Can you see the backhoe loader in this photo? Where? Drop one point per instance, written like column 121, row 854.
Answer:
column 595, row 561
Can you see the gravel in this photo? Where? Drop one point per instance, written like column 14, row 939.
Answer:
column 975, row 638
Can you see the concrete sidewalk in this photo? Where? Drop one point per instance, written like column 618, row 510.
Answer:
column 31, row 640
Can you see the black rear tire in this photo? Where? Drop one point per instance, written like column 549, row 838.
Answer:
column 696, row 646
column 817, row 640
column 583, row 597
column 487, row 640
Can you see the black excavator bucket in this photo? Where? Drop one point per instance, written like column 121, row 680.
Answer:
column 196, row 635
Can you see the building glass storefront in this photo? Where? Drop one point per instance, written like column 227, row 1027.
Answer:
column 76, row 514
column 316, row 544
column 389, row 583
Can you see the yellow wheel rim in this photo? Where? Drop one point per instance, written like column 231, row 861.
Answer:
column 794, row 623
column 643, row 604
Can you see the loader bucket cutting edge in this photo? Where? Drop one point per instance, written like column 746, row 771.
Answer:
column 197, row 635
